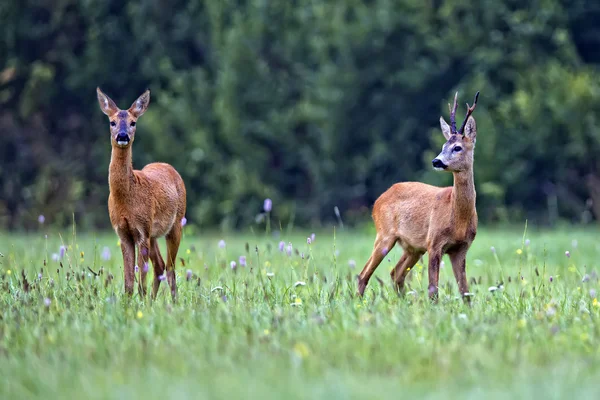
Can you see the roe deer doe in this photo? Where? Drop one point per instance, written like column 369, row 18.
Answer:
column 424, row 218
column 143, row 205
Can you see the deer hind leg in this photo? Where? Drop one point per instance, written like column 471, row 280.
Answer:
column 459, row 266
column 382, row 246
column 128, row 250
column 406, row 262
column 158, row 265
column 173, row 240
column 143, row 254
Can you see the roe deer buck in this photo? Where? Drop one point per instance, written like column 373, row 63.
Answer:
column 143, row 205
column 424, row 218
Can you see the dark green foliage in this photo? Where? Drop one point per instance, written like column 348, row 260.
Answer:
column 313, row 104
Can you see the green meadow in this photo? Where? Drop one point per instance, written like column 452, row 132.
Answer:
column 288, row 324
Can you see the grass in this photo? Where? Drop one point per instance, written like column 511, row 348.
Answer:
column 248, row 333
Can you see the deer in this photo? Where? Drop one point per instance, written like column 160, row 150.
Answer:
column 143, row 205
column 423, row 218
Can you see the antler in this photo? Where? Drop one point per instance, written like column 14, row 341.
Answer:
column 469, row 112
column 453, row 114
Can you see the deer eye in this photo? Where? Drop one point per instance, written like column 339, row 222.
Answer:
column 457, row 149
column 132, row 123
column 113, row 123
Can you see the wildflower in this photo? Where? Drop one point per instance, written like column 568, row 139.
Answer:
column 585, row 278
column 183, row 221
column 270, row 274
column 442, row 264
column 298, row 301
column 551, row 311
column 145, row 267
column 188, row 251
column 55, row 257
column 188, row 274
column 281, row 246
column 268, row 205
column 221, row 244
column 493, row 249
column 312, row 237
column 242, row 261
column 47, row 302
column 61, row 251
column 233, row 265
column 568, row 254
column 308, row 240
column 592, row 293
column 40, row 276
column 163, row 276
column 105, row 254
column 288, row 250
column 551, row 279
column 41, row 219
column 527, row 242
column 136, row 269
column 352, row 264
column 140, row 315
column 519, row 251
column 522, row 323
column 8, row 272
column 299, row 283
column 384, row 251
column 301, row 350
column 595, row 302
column 266, row 332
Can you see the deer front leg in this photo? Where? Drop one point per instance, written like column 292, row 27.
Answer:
column 143, row 255
column 128, row 250
column 435, row 257
column 459, row 266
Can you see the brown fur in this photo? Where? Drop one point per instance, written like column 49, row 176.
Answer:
column 423, row 218
column 143, row 205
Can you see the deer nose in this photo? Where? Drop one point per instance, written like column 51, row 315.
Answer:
column 122, row 137
column 437, row 163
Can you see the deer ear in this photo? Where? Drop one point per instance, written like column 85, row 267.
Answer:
column 471, row 129
column 107, row 106
column 140, row 106
column 445, row 128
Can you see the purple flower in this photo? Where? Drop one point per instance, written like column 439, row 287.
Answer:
column 41, row 219
column 188, row 275
column 221, row 244
column 585, row 278
column 312, row 237
column 551, row 279
column 40, row 276
column 308, row 240
column 163, row 276
column 233, row 265
column 55, row 257
column 61, row 252
column 242, row 261
column 136, row 269
column 145, row 267
column 288, row 250
column 384, row 251
column 106, row 254
column 268, row 205
column 47, row 302
column 527, row 242
column 183, row 221
column 568, row 254
column 592, row 293
column 352, row 264
column 281, row 246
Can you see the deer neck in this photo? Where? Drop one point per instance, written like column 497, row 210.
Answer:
column 463, row 198
column 120, row 172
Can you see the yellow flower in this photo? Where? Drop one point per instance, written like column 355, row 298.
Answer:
column 82, row 254
column 118, row 243
column 595, row 303
column 522, row 323
column 298, row 300
column 519, row 251
column 572, row 268
column 301, row 350
column 266, row 332
column 9, row 272
column 140, row 315
column 267, row 264
column 188, row 251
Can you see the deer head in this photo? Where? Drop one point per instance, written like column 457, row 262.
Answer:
column 457, row 152
column 122, row 122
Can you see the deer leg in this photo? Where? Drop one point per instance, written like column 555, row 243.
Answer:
column 380, row 249
column 143, row 253
column 128, row 250
column 173, row 240
column 459, row 266
column 158, row 265
column 401, row 269
column 435, row 257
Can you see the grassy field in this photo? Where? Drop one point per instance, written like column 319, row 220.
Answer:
column 290, row 326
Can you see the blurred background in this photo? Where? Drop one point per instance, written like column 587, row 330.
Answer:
column 313, row 104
